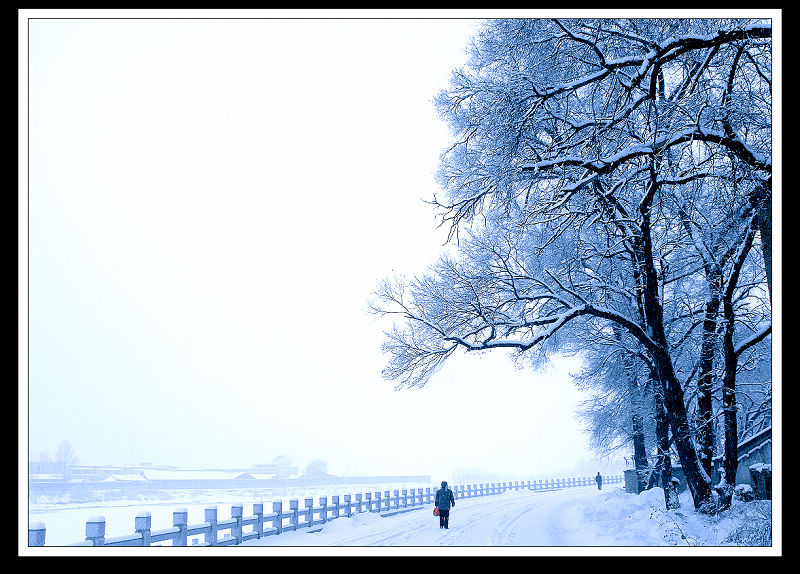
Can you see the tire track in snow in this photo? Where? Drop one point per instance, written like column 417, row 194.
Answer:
column 509, row 519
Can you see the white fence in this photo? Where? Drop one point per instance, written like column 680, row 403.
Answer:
column 239, row 528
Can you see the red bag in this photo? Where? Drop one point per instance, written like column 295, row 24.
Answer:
column 436, row 511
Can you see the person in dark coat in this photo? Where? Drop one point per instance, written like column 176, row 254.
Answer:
column 599, row 480
column 444, row 500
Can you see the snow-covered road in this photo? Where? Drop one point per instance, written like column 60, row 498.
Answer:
column 523, row 518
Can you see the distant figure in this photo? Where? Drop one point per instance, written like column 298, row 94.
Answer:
column 599, row 480
column 444, row 500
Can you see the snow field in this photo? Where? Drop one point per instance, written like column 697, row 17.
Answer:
column 581, row 516
column 66, row 521
column 572, row 517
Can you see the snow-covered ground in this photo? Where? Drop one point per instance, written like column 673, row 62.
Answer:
column 550, row 522
column 570, row 517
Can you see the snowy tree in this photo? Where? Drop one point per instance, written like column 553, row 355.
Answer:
column 66, row 457
column 316, row 467
column 621, row 408
column 607, row 175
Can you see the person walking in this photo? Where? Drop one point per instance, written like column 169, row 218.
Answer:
column 599, row 480
column 444, row 500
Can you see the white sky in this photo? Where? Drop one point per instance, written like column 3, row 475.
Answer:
column 210, row 205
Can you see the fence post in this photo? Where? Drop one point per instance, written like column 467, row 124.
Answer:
column 359, row 503
column 309, row 504
column 378, row 501
column 142, row 524
column 258, row 510
column 180, row 519
column 237, row 510
column 387, row 496
column 403, row 497
column 427, row 494
column 396, row 498
column 36, row 533
column 323, row 513
column 347, row 505
column 335, row 506
column 277, row 520
column 210, row 515
column 96, row 530
column 294, row 506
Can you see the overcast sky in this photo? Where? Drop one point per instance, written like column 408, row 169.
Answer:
column 211, row 203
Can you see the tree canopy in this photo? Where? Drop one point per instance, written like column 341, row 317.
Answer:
column 609, row 190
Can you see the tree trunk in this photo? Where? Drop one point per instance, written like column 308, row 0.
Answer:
column 639, row 453
column 761, row 200
column 635, row 394
column 705, row 435
column 697, row 480
column 730, row 463
column 662, row 444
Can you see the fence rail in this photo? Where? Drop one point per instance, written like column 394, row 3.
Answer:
column 240, row 528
